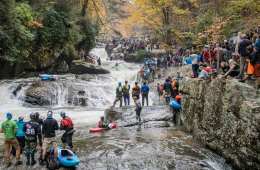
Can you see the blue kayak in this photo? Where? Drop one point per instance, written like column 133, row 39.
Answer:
column 67, row 158
column 47, row 77
column 175, row 105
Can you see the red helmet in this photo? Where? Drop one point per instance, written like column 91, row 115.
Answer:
column 178, row 97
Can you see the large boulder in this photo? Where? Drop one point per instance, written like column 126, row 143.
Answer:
column 80, row 67
column 39, row 94
column 224, row 115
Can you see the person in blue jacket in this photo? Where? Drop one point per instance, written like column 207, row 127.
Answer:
column 176, row 107
column 20, row 136
column 145, row 93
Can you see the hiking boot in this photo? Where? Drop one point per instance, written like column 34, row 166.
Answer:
column 42, row 162
column 18, row 163
column 28, row 162
column 33, row 162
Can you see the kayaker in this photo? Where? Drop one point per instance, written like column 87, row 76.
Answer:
column 31, row 130
column 67, row 125
column 138, row 109
column 145, row 93
column 20, row 133
column 119, row 95
column 50, row 125
column 101, row 123
column 9, row 128
column 126, row 93
column 136, row 91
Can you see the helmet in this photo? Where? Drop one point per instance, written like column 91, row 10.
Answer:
column 62, row 114
column 9, row 115
column 119, row 83
column 37, row 115
column 20, row 118
column 49, row 114
column 102, row 117
column 32, row 116
column 178, row 97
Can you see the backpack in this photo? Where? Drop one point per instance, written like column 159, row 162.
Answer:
column 67, row 122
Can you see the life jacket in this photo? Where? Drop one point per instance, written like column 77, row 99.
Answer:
column 126, row 89
column 67, row 122
column 30, row 131
column 174, row 84
column 136, row 90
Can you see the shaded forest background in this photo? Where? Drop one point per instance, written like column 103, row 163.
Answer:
column 37, row 34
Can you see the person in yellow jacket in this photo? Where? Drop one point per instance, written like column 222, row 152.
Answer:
column 126, row 93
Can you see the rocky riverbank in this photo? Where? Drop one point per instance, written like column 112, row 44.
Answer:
column 8, row 70
column 225, row 116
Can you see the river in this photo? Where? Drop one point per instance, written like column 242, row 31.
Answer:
column 149, row 146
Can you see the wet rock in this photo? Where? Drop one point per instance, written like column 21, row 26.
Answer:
column 39, row 94
column 62, row 67
column 80, row 67
column 224, row 115
column 17, row 89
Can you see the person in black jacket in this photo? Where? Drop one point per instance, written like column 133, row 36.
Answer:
column 50, row 125
column 31, row 130
column 40, row 121
column 244, row 54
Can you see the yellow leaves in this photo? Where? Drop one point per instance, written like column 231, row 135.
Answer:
column 35, row 24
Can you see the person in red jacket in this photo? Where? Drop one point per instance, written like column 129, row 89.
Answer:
column 67, row 125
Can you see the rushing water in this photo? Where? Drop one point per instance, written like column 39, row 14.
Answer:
column 150, row 146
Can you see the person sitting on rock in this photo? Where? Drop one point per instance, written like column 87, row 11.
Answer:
column 231, row 68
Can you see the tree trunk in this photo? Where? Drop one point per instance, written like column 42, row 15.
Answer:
column 84, row 8
column 166, row 25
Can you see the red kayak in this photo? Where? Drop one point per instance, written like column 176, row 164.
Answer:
column 97, row 129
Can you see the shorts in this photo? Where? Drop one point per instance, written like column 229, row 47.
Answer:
column 12, row 142
column 48, row 142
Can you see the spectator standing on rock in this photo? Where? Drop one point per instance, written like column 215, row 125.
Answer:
column 9, row 128
column 136, row 91
column 20, row 136
column 31, row 130
column 50, row 125
column 244, row 54
column 66, row 124
column 255, row 59
column 145, row 93
column 195, row 65
column 40, row 121
column 167, row 90
column 126, row 93
column 138, row 108
column 119, row 95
